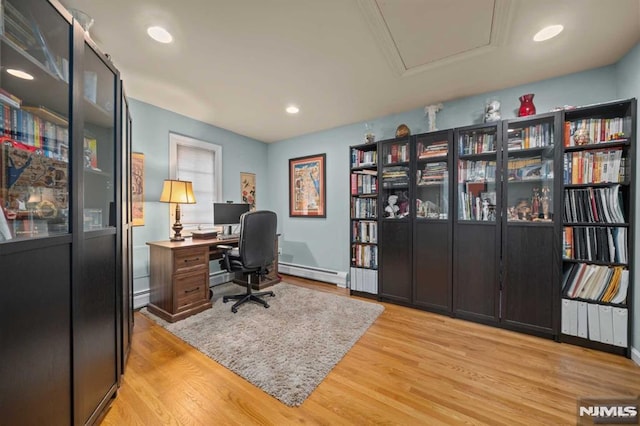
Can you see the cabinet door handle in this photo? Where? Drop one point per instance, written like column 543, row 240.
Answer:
column 192, row 290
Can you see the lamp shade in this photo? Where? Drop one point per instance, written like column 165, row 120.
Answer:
column 177, row 191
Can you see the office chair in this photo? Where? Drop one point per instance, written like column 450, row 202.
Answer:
column 255, row 252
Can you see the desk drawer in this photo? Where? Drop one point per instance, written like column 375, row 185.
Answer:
column 189, row 259
column 191, row 288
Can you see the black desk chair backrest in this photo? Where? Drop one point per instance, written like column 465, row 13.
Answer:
column 255, row 253
column 257, row 239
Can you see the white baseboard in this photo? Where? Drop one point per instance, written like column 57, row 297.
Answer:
column 635, row 355
column 319, row 274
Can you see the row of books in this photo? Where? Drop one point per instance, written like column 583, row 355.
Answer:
column 534, row 136
column 364, row 256
column 363, row 183
column 397, row 153
column 477, row 143
column 365, row 280
column 601, row 166
column 593, row 205
column 364, row 208
column 596, row 130
column 472, row 208
column 432, row 174
column 27, row 125
column 395, row 176
column 597, row 283
column 598, row 323
column 476, row 171
column 592, row 243
column 530, row 169
column 436, row 149
column 364, row 231
column 360, row 158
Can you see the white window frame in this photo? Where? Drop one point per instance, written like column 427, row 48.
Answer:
column 176, row 139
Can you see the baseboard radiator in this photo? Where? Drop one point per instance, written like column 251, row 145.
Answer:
column 318, row 274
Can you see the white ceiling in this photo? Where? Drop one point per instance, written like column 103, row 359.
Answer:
column 238, row 63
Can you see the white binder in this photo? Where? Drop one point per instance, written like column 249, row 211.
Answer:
column 620, row 321
column 570, row 317
column 583, row 326
column 606, row 324
column 594, row 322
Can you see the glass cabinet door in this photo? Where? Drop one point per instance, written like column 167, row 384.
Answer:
column 395, row 179
column 35, row 42
column 529, row 175
column 432, row 177
column 99, row 143
column 477, row 189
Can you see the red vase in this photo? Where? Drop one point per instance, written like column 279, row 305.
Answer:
column 526, row 105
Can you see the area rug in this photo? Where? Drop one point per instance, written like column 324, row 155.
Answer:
column 287, row 349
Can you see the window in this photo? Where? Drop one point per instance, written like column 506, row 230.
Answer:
column 201, row 163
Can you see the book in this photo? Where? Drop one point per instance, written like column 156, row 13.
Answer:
column 91, row 153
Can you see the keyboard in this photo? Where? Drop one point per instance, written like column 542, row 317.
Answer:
column 228, row 236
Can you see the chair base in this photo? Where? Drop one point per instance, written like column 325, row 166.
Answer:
column 247, row 297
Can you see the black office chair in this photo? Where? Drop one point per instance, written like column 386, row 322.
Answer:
column 255, row 252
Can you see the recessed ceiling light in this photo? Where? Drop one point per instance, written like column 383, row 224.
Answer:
column 159, row 34
column 20, row 74
column 548, row 32
column 292, row 109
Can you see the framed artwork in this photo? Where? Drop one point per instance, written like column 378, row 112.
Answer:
column 307, row 193
column 248, row 189
column 137, row 188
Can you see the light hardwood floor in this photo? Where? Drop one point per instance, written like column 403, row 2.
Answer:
column 410, row 368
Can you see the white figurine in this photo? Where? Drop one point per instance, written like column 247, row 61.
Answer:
column 485, row 209
column 392, row 209
column 492, row 111
column 430, row 111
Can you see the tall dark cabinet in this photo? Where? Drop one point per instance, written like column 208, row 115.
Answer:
column 395, row 266
column 432, row 156
column 63, row 236
column 477, row 207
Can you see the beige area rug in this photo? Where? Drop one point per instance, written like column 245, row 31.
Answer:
column 287, row 349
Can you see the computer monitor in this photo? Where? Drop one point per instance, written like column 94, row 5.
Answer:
column 228, row 214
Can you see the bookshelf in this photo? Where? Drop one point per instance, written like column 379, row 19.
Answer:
column 65, row 278
column 597, row 228
column 476, row 231
column 432, row 155
column 396, row 212
column 363, row 201
column 530, row 223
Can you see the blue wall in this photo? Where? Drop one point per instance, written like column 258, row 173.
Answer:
column 324, row 243
column 628, row 79
column 151, row 127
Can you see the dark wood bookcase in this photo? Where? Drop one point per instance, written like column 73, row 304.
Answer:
column 476, row 233
column 64, row 236
column 395, row 229
column 363, row 202
column 598, row 185
column 432, row 161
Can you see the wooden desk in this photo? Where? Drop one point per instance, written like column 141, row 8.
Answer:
column 179, row 276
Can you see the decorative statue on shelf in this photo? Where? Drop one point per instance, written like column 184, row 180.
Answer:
column 485, row 209
column 535, row 203
column 492, row 111
column 430, row 111
column 392, row 208
column 545, row 202
column 403, row 206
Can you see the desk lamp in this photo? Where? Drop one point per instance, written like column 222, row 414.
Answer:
column 178, row 192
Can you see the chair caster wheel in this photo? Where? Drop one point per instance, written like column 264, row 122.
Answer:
column 266, row 306
column 225, row 300
column 234, row 310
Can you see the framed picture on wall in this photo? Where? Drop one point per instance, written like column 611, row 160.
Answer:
column 137, row 188
column 307, row 192
column 248, row 189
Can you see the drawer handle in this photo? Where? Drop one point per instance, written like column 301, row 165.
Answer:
column 197, row 259
column 192, row 290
